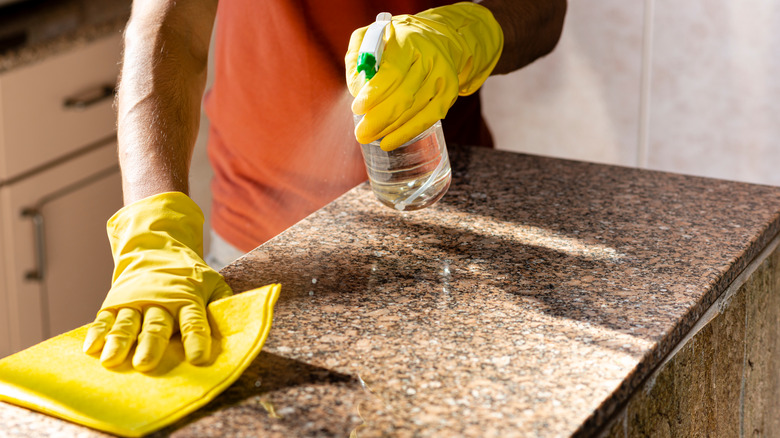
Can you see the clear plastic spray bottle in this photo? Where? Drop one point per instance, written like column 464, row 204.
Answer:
column 417, row 173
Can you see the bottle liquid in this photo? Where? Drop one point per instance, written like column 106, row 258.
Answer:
column 416, row 174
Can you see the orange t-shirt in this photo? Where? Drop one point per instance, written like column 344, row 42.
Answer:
column 281, row 140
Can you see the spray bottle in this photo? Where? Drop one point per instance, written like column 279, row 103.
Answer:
column 417, row 173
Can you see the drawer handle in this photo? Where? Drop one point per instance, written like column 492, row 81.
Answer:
column 40, row 246
column 91, row 97
column 35, row 214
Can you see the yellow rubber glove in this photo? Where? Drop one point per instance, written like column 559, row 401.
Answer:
column 159, row 273
column 429, row 59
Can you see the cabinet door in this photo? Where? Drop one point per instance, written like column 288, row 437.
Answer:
column 57, row 254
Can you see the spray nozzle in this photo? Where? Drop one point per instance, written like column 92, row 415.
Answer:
column 370, row 52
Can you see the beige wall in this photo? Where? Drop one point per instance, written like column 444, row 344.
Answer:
column 690, row 87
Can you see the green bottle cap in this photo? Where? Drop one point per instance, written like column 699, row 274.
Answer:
column 367, row 64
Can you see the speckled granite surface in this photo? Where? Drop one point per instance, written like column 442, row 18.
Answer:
column 34, row 30
column 531, row 301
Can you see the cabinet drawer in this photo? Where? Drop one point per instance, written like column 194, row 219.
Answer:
column 57, row 106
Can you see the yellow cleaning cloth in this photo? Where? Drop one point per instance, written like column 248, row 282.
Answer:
column 55, row 377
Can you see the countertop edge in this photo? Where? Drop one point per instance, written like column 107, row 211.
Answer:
column 602, row 417
column 28, row 55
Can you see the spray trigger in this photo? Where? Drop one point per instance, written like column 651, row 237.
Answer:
column 370, row 53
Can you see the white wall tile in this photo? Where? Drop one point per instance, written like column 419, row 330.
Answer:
column 581, row 101
column 715, row 89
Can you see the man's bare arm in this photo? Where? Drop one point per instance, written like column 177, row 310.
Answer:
column 160, row 91
column 531, row 29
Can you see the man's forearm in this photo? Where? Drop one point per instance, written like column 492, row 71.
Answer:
column 161, row 86
column 531, row 29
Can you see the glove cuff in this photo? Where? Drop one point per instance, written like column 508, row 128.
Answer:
column 171, row 216
column 479, row 36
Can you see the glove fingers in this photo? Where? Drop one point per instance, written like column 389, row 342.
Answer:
column 155, row 334
column 384, row 85
column 395, row 69
column 431, row 102
column 420, row 122
column 195, row 333
column 385, row 113
column 96, row 335
column 121, row 337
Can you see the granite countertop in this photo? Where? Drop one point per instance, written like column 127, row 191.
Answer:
column 532, row 300
column 33, row 30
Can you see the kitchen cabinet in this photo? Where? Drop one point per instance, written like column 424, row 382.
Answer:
column 57, row 255
column 59, row 183
column 55, row 108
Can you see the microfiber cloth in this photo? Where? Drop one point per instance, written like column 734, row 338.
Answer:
column 55, row 377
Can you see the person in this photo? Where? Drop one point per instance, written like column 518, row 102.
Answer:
column 281, row 142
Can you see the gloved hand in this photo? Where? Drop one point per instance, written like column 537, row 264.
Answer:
column 159, row 278
column 428, row 60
